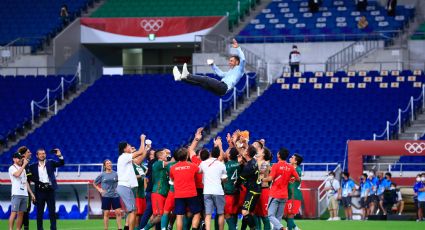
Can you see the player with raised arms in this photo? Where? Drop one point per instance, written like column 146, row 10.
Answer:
column 228, row 79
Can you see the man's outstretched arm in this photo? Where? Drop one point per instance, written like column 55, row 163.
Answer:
column 240, row 54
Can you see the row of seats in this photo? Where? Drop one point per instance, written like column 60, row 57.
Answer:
column 35, row 21
column 120, row 108
column 318, row 123
column 62, row 213
column 335, row 22
column 16, row 95
column 167, row 8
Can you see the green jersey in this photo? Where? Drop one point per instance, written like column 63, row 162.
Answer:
column 170, row 164
column 294, row 192
column 140, row 190
column 160, row 179
column 233, row 169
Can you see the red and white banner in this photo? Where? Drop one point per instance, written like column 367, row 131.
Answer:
column 137, row 30
column 358, row 149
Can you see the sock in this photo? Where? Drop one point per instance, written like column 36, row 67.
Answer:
column 216, row 222
column 236, row 219
column 126, row 228
column 231, row 223
column 291, row 224
column 164, row 221
column 266, row 223
column 148, row 226
column 186, row 223
column 249, row 221
column 194, row 228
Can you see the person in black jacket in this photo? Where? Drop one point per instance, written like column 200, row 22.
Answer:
column 43, row 176
column 391, row 7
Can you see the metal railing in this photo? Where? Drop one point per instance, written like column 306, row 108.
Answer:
column 389, row 167
column 45, row 103
column 35, row 70
column 347, row 56
column 406, row 115
column 13, row 50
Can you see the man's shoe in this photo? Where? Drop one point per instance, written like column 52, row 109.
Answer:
column 177, row 74
column 185, row 72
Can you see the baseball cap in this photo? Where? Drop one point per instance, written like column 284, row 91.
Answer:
column 121, row 146
column 17, row 155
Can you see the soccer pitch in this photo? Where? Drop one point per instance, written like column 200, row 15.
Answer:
column 303, row 224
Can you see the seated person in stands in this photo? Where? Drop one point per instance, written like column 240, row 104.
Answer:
column 399, row 205
column 361, row 5
column 391, row 7
column 313, row 5
column 64, row 15
column 362, row 23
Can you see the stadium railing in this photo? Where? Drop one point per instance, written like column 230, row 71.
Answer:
column 404, row 115
column 392, row 167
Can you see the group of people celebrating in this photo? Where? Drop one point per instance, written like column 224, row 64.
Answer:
column 188, row 187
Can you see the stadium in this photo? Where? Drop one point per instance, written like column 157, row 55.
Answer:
column 334, row 90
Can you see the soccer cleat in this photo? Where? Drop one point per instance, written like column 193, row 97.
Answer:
column 177, row 74
column 185, row 72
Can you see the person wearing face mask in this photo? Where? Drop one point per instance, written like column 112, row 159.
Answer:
column 365, row 188
column 331, row 187
column 373, row 197
column 419, row 189
column 399, row 203
column 345, row 192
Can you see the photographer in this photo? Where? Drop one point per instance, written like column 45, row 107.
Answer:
column 45, row 185
column 331, row 187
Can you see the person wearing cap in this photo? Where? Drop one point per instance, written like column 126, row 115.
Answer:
column 43, row 176
column 294, row 59
column 26, row 153
column 20, row 190
column 127, row 180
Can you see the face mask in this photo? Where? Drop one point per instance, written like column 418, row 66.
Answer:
column 392, row 188
column 331, row 177
column 361, row 179
column 418, row 179
column 423, row 178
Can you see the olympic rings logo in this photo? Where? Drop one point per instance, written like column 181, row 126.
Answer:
column 415, row 147
column 151, row 25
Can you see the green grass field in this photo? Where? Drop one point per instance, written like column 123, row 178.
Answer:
column 303, row 224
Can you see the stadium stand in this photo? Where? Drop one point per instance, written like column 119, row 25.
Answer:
column 167, row 8
column 35, row 21
column 315, row 116
column 335, row 21
column 16, row 96
column 168, row 112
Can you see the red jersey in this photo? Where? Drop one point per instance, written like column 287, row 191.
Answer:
column 281, row 173
column 183, row 174
column 198, row 177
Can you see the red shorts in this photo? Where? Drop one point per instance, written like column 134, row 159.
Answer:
column 140, row 206
column 158, row 202
column 261, row 208
column 242, row 195
column 292, row 207
column 169, row 202
column 231, row 204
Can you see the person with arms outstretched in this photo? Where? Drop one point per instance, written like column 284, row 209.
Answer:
column 228, row 79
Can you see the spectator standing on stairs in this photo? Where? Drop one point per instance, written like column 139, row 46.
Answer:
column 294, row 59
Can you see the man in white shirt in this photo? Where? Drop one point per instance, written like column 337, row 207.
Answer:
column 20, row 189
column 127, row 179
column 331, row 187
column 214, row 172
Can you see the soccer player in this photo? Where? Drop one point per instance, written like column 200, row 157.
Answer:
column 365, row 190
column 169, row 201
column 228, row 81
column 182, row 174
column 108, row 180
column 280, row 175
column 263, row 160
column 20, row 190
column 233, row 169
column 140, row 170
column 160, row 188
column 250, row 178
column 295, row 196
column 345, row 192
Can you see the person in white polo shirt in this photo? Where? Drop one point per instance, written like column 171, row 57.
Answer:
column 214, row 173
column 20, row 189
column 127, row 180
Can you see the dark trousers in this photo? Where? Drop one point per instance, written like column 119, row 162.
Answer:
column 148, row 213
column 43, row 198
column 295, row 68
column 25, row 221
column 215, row 86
